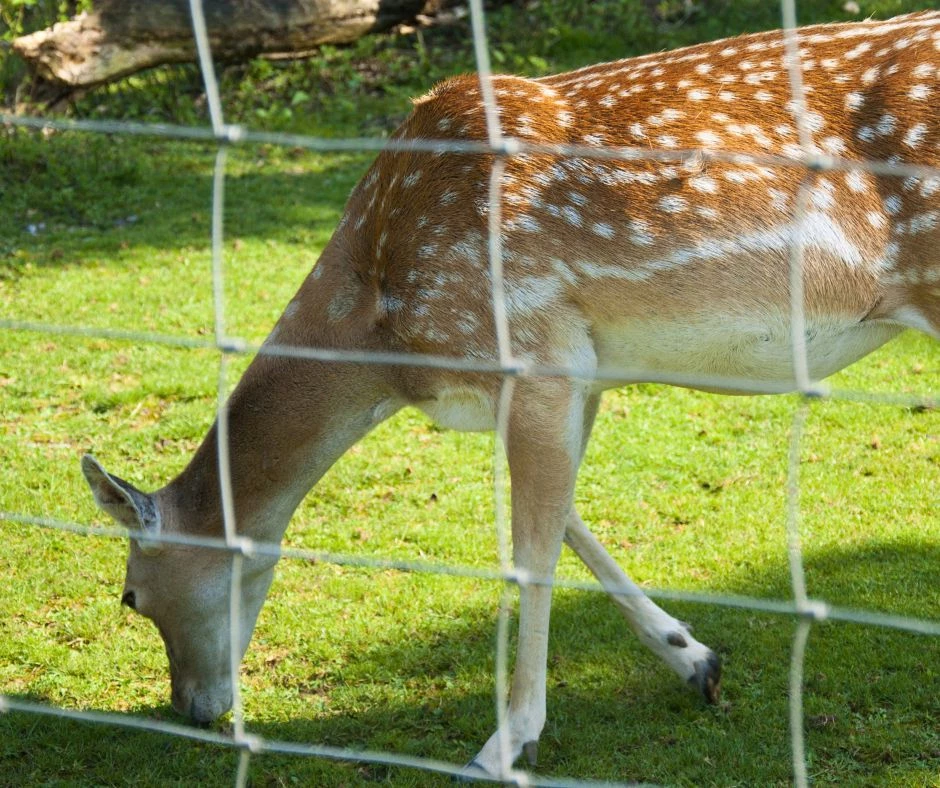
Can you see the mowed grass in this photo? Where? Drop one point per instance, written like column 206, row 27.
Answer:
column 687, row 490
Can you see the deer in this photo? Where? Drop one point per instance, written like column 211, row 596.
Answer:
column 673, row 261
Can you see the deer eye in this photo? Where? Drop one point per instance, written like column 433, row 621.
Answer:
column 129, row 599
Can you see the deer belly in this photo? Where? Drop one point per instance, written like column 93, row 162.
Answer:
column 464, row 409
column 721, row 346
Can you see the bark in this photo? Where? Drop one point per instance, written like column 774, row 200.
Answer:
column 121, row 37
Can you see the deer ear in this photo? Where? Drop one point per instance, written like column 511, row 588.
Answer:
column 132, row 508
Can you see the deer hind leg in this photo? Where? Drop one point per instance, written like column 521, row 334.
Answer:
column 543, row 446
column 667, row 637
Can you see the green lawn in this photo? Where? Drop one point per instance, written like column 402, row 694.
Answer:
column 687, row 490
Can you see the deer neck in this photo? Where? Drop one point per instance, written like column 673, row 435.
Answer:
column 288, row 421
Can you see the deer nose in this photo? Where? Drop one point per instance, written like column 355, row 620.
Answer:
column 200, row 714
column 204, row 709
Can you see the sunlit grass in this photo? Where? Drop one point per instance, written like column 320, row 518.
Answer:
column 687, row 490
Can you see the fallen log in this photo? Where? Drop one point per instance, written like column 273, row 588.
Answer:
column 121, row 37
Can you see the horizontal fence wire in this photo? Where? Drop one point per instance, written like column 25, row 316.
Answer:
column 248, row 548
column 805, row 611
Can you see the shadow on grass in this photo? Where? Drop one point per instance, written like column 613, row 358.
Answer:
column 77, row 195
column 872, row 698
column 45, row 750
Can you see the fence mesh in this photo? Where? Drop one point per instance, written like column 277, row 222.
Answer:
column 805, row 610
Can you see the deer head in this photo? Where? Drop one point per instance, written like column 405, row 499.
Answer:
column 185, row 590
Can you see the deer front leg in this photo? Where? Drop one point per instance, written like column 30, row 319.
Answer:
column 665, row 636
column 543, row 447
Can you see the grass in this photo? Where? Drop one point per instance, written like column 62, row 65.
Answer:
column 686, row 489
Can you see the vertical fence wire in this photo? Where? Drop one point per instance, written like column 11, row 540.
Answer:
column 804, row 609
column 214, row 101
column 792, row 63
column 507, row 385
column 798, row 584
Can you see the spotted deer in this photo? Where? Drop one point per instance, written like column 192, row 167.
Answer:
column 669, row 267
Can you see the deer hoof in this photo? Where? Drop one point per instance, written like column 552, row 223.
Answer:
column 707, row 677
column 531, row 752
column 471, row 773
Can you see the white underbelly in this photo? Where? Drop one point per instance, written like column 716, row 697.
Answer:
column 722, row 347
column 714, row 353
column 461, row 408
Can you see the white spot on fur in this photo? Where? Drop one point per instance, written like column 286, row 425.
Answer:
column 571, row 216
column 814, row 121
column 779, row 200
column 823, row 195
column 528, row 223
column 467, row 323
column 641, row 233
column 915, row 135
column 529, row 294
column 855, row 180
column 708, row 138
column 673, row 203
column 603, row 229
column 834, row 146
column 858, row 51
column 704, row 183
column 292, row 309
column 390, row 303
column 924, row 222
column 577, row 198
column 886, row 125
column 341, row 305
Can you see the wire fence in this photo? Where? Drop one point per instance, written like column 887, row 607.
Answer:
column 806, row 611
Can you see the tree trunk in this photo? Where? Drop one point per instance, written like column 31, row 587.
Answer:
column 123, row 36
